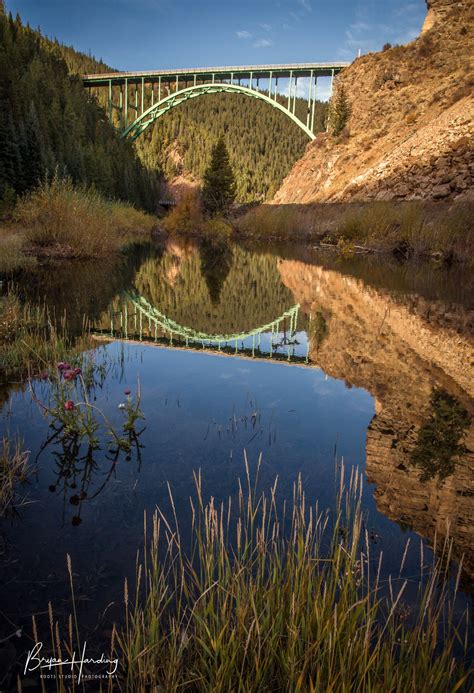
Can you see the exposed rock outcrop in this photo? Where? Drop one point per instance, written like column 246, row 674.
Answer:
column 410, row 134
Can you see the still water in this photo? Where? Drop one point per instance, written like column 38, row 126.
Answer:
column 304, row 359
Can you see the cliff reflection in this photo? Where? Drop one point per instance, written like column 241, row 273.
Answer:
column 395, row 347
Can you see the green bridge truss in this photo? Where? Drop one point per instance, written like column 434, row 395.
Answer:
column 136, row 319
column 136, row 99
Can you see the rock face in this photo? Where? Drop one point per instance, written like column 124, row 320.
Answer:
column 398, row 351
column 438, row 10
column 410, row 134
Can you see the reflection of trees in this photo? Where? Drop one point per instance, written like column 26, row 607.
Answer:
column 249, row 288
column 440, row 439
column 82, row 289
column 318, row 330
column 216, row 262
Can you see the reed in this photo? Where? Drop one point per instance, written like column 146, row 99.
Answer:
column 13, row 470
column 289, row 600
column 32, row 339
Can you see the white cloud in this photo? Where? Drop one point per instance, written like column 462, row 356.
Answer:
column 243, row 34
column 306, row 4
column 265, row 27
column 262, row 43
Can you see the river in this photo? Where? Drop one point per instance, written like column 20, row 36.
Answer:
column 309, row 360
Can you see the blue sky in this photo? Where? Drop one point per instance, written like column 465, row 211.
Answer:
column 150, row 34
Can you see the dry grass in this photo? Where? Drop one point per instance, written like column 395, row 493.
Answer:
column 13, row 469
column 12, row 256
column 32, row 340
column 417, row 228
column 78, row 222
column 289, row 600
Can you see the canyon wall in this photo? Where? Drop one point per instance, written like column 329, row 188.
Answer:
column 410, row 133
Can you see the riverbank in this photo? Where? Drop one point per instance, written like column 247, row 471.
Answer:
column 61, row 220
column 409, row 229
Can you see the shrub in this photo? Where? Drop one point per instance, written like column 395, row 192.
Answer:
column 77, row 221
column 216, row 231
column 186, row 217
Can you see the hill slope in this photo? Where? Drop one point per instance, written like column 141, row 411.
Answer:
column 48, row 123
column 410, row 133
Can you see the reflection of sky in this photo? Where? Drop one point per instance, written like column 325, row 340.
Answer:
column 203, row 411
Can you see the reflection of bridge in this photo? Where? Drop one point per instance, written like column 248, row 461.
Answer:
column 140, row 98
column 138, row 320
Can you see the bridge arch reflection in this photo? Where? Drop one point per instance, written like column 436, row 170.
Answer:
column 136, row 319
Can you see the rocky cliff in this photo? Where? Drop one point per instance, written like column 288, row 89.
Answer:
column 410, row 133
column 398, row 350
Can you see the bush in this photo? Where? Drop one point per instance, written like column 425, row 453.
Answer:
column 216, row 231
column 77, row 221
column 186, row 217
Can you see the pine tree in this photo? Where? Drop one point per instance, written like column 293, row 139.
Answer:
column 339, row 112
column 218, row 191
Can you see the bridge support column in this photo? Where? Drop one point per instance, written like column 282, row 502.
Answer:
column 290, row 82
column 314, row 103
column 125, row 110
column 310, row 95
column 110, row 101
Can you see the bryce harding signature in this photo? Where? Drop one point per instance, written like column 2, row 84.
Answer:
column 34, row 661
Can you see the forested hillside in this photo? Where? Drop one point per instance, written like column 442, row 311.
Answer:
column 48, row 123
column 262, row 142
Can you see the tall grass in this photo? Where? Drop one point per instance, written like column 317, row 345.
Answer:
column 12, row 255
column 291, row 600
column 411, row 227
column 32, row 340
column 77, row 221
column 13, row 469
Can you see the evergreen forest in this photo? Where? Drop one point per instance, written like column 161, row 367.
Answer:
column 49, row 122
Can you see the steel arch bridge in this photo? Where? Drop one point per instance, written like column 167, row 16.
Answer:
column 135, row 319
column 135, row 100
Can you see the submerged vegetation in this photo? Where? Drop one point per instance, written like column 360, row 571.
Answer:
column 261, row 601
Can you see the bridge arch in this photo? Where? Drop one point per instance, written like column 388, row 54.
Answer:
column 176, row 98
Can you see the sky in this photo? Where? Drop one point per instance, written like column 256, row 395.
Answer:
column 154, row 34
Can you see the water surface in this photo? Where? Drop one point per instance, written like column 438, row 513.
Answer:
column 307, row 360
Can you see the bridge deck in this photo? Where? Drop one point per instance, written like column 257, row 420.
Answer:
column 238, row 71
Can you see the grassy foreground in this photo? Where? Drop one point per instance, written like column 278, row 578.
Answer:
column 62, row 220
column 280, row 601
